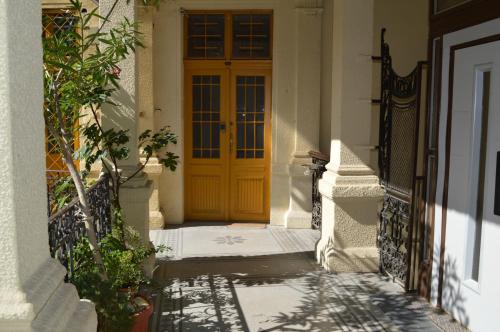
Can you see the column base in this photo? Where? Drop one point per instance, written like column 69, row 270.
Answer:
column 156, row 220
column 350, row 206
column 350, row 260
column 134, row 199
column 299, row 214
column 47, row 303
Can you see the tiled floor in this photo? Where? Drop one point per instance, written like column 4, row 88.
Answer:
column 224, row 278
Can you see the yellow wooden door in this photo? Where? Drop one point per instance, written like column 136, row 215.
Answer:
column 206, row 134
column 250, row 144
column 228, row 142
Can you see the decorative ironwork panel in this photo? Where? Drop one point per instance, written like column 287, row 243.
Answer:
column 319, row 162
column 393, row 238
column 66, row 226
column 398, row 140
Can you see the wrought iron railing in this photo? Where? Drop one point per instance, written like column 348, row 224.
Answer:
column 319, row 161
column 66, row 226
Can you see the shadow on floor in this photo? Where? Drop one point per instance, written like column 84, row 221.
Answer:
column 286, row 292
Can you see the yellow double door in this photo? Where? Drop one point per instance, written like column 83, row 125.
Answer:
column 227, row 141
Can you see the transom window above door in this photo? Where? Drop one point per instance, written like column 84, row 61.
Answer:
column 228, row 35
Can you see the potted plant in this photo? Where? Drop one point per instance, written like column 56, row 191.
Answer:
column 119, row 303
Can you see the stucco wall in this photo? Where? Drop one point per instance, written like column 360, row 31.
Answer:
column 326, row 76
column 21, row 92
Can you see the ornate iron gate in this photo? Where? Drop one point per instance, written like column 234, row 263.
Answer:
column 398, row 147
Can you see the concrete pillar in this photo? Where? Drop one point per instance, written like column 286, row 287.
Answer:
column 33, row 295
column 134, row 195
column 308, row 86
column 146, row 108
column 350, row 190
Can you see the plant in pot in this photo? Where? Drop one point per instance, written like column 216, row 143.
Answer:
column 119, row 304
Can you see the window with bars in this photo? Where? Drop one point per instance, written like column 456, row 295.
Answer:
column 54, row 23
column 250, row 107
column 251, row 36
column 205, row 36
column 206, row 116
column 248, row 35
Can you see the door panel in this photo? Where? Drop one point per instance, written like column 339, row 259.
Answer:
column 250, row 135
column 472, row 246
column 227, row 152
column 206, row 168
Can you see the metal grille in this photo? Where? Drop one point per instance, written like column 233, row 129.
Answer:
column 398, row 140
column 319, row 162
column 66, row 227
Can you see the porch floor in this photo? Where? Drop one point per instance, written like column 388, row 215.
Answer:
column 248, row 277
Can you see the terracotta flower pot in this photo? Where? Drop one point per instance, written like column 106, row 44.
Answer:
column 141, row 319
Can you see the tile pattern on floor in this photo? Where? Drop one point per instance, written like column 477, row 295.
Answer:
column 220, row 241
column 219, row 278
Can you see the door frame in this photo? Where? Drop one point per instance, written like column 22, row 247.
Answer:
column 248, row 66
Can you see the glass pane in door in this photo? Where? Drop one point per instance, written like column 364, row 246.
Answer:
column 206, row 116
column 250, row 101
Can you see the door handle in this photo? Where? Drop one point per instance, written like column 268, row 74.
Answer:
column 222, row 126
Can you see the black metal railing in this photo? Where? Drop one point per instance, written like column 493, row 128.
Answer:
column 319, row 161
column 66, row 226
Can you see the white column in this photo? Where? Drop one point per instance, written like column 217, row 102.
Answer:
column 145, row 101
column 33, row 295
column 308, row 85
column 350, row 190
column 134, row 195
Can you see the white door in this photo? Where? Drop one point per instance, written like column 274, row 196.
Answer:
column 471, row 289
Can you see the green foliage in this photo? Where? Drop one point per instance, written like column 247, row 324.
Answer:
column 123, row 264
column 153, row 144
column 112, row 307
